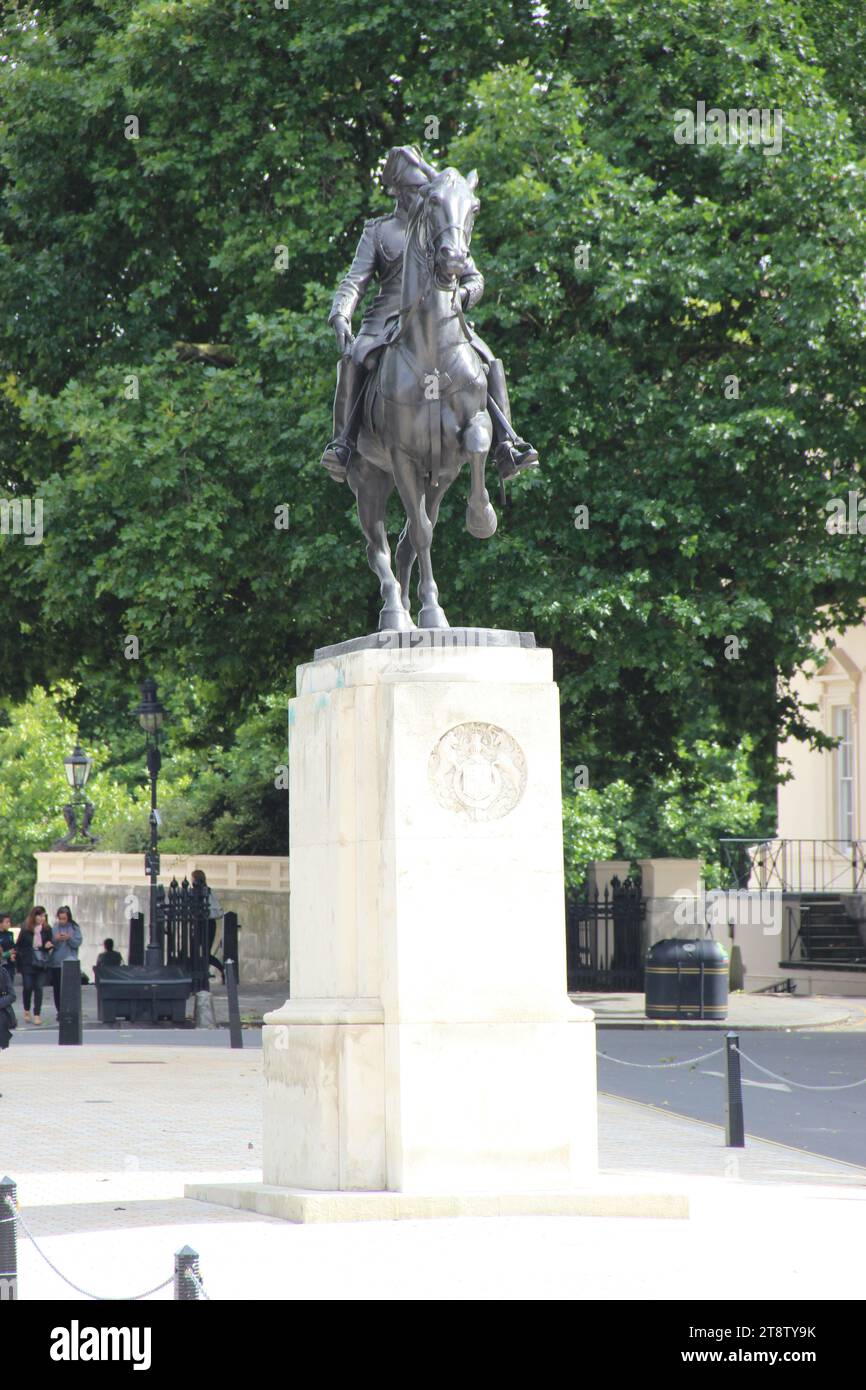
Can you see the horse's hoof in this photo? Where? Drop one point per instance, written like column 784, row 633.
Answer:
column 481, row 524
column 432, row 615
column 395, row 620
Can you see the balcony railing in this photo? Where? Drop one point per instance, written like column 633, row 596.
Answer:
column 796, row 866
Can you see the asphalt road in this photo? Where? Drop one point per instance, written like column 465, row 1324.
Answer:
column 826, row 1122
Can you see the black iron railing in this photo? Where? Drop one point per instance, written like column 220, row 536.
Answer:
column 604, row 944
column 796, row 866
column 182, row 928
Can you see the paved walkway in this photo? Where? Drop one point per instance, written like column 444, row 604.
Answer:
column 102, row 1140
column 746, row 1012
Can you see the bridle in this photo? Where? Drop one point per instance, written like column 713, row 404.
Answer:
column 430, row 247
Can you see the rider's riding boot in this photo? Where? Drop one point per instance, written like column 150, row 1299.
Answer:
column 510, row 452
column 351, row 379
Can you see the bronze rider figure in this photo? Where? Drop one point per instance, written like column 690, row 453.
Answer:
column 379, row 257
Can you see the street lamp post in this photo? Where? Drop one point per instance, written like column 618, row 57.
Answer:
column 151, row 716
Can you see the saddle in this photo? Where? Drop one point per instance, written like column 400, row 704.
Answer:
column 368, row 444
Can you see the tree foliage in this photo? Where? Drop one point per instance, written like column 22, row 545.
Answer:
column 259, row 132
column 35, row 737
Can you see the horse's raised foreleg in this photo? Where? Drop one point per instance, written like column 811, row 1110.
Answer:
column 372, row 488
column 480, row 516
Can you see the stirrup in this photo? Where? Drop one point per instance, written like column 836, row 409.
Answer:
column 512, row 455
column 336, row 459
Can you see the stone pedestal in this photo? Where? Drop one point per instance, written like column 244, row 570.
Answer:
column 429, row 1048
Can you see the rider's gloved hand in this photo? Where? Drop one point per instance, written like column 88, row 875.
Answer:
column 343, row 333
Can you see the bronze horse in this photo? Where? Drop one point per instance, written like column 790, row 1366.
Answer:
column 425, row 406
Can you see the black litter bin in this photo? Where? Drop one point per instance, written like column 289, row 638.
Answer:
column 686, row 979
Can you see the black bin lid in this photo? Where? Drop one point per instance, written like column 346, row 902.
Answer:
column 674, row 951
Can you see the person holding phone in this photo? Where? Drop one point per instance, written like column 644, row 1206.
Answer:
column 66, row 939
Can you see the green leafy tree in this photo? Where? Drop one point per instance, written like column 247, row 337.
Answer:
column 35, row 737
column 679, row 613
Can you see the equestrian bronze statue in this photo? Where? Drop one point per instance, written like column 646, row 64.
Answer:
column 418, row 392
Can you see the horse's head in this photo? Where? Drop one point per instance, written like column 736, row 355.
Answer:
column 446, row 212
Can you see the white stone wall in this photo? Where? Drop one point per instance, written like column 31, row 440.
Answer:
column 103, row 890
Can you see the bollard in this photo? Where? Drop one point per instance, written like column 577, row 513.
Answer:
column 8, row 1241
column 185, row 1263
column 235, row 1031
column 734, row 1132
column 231, row 928
column 70, row 1034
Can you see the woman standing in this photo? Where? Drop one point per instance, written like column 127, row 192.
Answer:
column 33, row 958
column 67, row 938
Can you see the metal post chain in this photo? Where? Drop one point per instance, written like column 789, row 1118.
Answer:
column 661, row 1066
column 98, row 1298
column 801, row 1085
column 705, row 1057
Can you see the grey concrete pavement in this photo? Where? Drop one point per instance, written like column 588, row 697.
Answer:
column 254, row 1000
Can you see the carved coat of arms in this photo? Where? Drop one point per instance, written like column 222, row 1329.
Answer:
column 478, row 770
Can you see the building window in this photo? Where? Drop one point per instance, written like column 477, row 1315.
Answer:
column 843, row 767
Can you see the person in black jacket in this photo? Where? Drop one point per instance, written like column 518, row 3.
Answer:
column 107, row 956
column 7, row 1013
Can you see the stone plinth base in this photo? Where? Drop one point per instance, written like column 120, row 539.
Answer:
column 298, row 1205
column 429, row 1061
column 429, row 1045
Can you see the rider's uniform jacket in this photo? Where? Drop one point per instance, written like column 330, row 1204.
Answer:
column 380, row 256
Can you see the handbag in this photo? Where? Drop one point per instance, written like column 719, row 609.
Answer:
column 11, row 1017
column 40, row 966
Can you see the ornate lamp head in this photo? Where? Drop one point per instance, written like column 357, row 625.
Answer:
column 77, row 767
column 151, row 713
